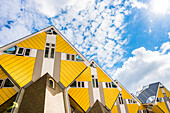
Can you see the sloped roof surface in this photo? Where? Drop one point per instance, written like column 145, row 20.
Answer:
column 150, row 91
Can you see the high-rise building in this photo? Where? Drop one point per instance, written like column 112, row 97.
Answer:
column 44, row 73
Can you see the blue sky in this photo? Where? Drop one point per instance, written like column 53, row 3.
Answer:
column 129, row 39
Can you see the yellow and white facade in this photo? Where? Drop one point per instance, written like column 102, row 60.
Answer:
column 45, row 73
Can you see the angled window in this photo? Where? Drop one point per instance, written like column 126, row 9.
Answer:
column 73, row 84
column 51, row 32
column 8, row 83
column 1, row 82
column 97, row 83
column 11, row 50
column 46, row 52
column 72, row 57
column 27, row 52
column 79, row 84
column 109, row 85
column 68, row 57
column 78, row 58
column 52, row 52
column 113, row 85
column 106, row 85
column 82, row 84
column 51, row 82
column 20, row 51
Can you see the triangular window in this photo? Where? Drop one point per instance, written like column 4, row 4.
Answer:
column 11, row 50
column 8, row 83
column 78, row 58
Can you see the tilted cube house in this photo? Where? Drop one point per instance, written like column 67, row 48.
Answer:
column 44, row 73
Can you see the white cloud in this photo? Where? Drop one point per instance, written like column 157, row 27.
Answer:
column 169, row 35
column 138, row 4
column 143, row 68
column 165, row 47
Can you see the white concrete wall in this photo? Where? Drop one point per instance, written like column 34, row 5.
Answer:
column 54, row 104
column 96, row 94
column 122, row 108
column 48, row 63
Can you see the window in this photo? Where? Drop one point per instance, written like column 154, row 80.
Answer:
column 49, row 50
column 79, row 84
column 73, row 84
column 51, row 83
column 11, row 50
column 159, row 100
column 93, row 65
column 78, row 58
column 68, row 57
column 20, row 51
column 72, row 57
column 95, row 82
column 51, row 32
column 120, row 99
column 8, row 83
column 27, row 52
column 113, row 85
column 106, row 85
column 110, row 85
column 1, row 82
column 82, row 84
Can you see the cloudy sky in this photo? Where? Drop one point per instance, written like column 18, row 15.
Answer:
column 130, row 39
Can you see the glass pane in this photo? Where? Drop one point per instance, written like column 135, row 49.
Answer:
column 27, row 52
column 68, row 57
column 46, row 52
column 93, row 82
column 82, row 84
column 47, row 44
column 20, row 51
column 53, row 45
column 110, row 85
column 92, row 76
column 106, row 85
column 0, row 82
column 78, row 58
column 78, row 84
column 73, row 84
column 96, row 83
column 73, row 57
column 113, row 85
column 8, row 83
column 51, row 83
column 54, row 33
column 11, row 50
column 52, row 52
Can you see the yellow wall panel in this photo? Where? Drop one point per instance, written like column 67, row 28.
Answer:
column 102, row 77
column 167, row 92
column 5, row 94
column 110, row 96
column 2, row 74
column 63, row 47
column 114, row 109
column 156, row 109
column 81, row 96
column 132, row 108
column 125, row 94
column 69, row 70
column 162, row 105
column 35, row 42
column 160, row 94
column 141, row 107
column 20, row 68
column 85, row 76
